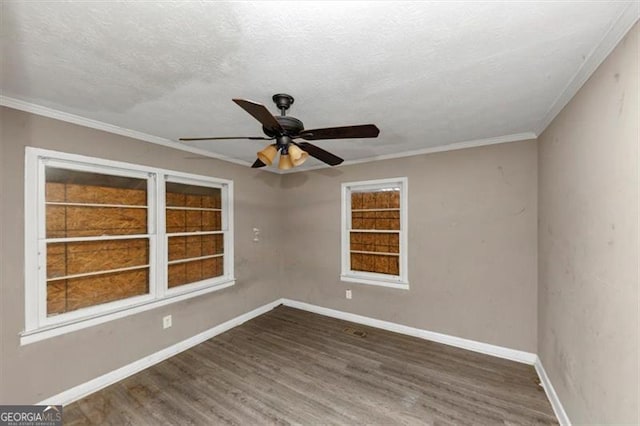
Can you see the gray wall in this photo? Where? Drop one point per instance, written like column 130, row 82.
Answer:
column 588, row 245
column 472, row 252
column 33, row 372
column 472, row 243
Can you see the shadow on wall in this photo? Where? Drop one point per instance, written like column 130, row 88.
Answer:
column 272, row 180
column 330, row 172
column 293, row 180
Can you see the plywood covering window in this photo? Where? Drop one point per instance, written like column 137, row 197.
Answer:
column 105, row 239
column 374, row 232
column 195, row 233
column 97, row 240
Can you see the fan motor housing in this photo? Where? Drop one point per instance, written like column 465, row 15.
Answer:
column 291, row 125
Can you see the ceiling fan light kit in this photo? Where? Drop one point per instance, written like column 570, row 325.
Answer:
column 284, row 129
column 285, row 162
column 268, row 154
column 297, row 155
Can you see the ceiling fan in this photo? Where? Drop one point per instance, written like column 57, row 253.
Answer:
column 284, row 129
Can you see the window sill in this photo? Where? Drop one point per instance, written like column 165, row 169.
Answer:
column 43, row 333
column 402, row 285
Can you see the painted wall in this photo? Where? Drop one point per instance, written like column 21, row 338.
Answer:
column 476, row 252
column 31, row 373
column 588, row 245
column 472, row 243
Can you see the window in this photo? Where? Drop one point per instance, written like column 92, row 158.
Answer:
column 106, row 239
column 196, row 230
column 96, row 238
column 374, row 232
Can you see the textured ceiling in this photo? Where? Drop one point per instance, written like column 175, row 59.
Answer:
column 428, row 74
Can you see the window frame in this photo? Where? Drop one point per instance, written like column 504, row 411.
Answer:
column 38, row 325
column 372, row 278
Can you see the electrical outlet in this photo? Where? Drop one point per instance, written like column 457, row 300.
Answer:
column 256, row 235
column 166, row 321
column 348, row 294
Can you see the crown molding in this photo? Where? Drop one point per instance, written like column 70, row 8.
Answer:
column 106, row 127
column 619, row 28
column 99, row 125
column 609, row 41
column 516, row 137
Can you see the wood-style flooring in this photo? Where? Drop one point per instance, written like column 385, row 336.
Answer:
column 294, row 367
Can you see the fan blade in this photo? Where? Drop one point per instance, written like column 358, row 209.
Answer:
column 257, row 164
column 260, row 113
column 320, row 154
column 346, row 132
column 251, row 138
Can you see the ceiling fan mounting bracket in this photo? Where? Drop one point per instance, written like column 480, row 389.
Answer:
column 283, row 102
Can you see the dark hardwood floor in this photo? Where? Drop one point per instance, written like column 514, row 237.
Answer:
column 291, row 366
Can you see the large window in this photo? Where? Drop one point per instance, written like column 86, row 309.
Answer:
column 374, row 232
column 105, row 239
column 96, row 238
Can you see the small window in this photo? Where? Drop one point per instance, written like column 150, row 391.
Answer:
column 374, row 229
column 105, row 239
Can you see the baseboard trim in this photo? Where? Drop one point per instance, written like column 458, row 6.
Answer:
column 558, row 409
column 94, row 385
column 121, row 373
column 472, row 345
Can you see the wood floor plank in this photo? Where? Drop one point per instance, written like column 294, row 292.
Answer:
column 294, row 367
column 357, row 355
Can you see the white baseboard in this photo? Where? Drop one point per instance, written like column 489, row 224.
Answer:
column 558, row 409
column 114, row 376
column 472, row 345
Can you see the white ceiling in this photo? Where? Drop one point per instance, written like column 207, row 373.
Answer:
column 429, row 74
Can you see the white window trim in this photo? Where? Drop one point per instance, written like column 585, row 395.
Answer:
column 37, row 325
column 347, row 275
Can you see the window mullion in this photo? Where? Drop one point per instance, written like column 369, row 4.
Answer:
column 162, row 244
column 345, row 224
column 40, row 292
column 226, row 203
